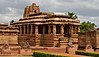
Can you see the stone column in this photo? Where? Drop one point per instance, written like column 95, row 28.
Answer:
column 36, row 29
column 37, row 40
column 24, row 28
column 43, row 29
column 62, row 29
column 31, row 28
column 20, row 29
column 49, row 29
column 71, row 29
column 54, row 29
column 28, row 29
column 78, row 28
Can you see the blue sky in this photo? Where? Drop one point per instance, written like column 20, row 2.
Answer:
column 87, row 10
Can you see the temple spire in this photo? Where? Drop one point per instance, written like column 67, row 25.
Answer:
column 33, row 9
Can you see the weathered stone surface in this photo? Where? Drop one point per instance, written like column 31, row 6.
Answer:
column 9, row 35
column 89, row 40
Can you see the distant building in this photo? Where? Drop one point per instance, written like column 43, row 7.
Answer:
column 90, row 38
column 46, row 29
column 8, row 35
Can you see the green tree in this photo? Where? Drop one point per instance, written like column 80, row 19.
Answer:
column 87, row 25
column 72, row 15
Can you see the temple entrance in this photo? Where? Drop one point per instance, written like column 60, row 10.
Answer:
column 66, row 30
column 40, row 30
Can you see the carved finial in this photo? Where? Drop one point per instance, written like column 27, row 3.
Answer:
column 34, row 4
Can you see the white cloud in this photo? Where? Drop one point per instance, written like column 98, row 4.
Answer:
column 91, row 19
column 87, row 10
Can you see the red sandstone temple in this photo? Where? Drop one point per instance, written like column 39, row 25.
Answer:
column 46, row 29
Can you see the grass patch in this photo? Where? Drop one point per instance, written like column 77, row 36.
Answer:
column 93, row 54
column 44, row 54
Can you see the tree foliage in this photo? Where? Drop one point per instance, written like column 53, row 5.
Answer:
column 87, row 25
column 72, row 15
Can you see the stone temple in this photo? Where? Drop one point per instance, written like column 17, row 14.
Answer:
column 43, row 29
column 46, row 29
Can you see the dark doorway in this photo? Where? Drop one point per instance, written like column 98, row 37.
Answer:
column 66, row 30
column 58, row 29
column 46, row 29
column 40, row 29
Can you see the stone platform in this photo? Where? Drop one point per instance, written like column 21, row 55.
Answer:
column 18, row 51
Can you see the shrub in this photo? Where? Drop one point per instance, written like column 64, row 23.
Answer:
column 87, row 53
column 43, row 54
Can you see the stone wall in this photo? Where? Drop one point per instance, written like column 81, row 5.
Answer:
column 47, row 40
column 8, row 35
column 89, row 38
column 10, row 39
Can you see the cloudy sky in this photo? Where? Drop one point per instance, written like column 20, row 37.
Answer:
column 87, row 10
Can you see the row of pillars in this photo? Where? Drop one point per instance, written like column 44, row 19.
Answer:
column 36, row 29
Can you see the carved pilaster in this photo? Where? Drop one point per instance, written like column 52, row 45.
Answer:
column 43, row 29
column 49, row 29
column 54, row 29
column 78, row 28
column 27, row 29
column 20, row 29
column 71, row 29
column 37, row 40
column 31, row 29
column 62, row 29
column 36, row 29
column 24, row 29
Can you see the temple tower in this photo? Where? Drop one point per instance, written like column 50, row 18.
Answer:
column 33, row 9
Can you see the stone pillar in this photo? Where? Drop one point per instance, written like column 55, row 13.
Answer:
column 31, row 28
column 54, row 29
column 36, row 29
column 43, row 29
column 28, row 29
column 37, row 40
column 20, row 29
column 49, row 29
column 71, row 29
column 24, row 28
column 78, row 28
column 62, row 29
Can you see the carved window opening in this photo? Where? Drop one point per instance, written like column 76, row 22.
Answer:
column 35, row 11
